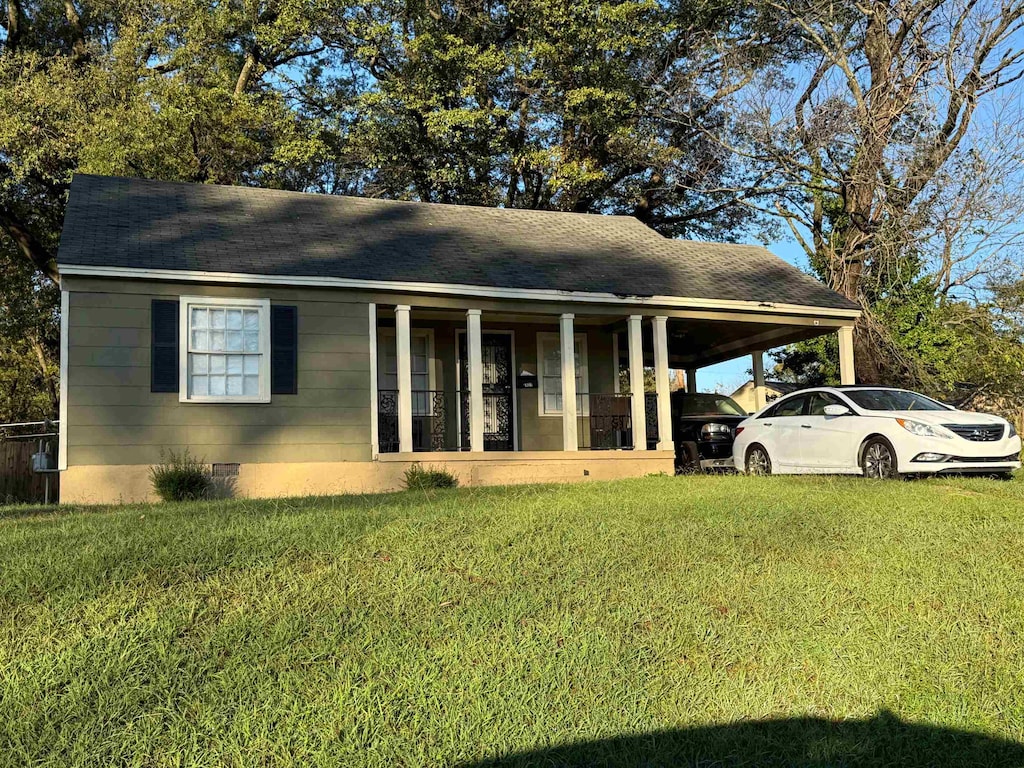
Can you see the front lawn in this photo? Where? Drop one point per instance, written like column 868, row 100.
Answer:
column 661, row 621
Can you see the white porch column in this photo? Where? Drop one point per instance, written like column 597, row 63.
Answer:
column 846, row 369
column 665, row 442
column 403, row 354
column 570, row 436
column 636, row 383
column 476, row 381
column 760, row 394
column 691, row 380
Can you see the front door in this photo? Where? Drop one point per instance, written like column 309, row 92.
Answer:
column 496, row 353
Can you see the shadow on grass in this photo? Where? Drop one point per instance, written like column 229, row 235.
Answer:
column 883, row 740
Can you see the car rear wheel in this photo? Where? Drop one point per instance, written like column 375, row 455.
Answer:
column 878, row 460
column 758, row 461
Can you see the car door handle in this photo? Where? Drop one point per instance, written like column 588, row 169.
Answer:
column 767, row 424
column 805, row 426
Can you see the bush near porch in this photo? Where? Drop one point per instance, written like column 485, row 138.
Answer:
column 657, row 621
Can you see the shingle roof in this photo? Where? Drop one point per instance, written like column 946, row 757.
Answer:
column 119, row 222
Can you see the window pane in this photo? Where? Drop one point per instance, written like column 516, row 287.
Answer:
column 252, row 341
column 419, row 364
column 200, row 363
column 216, row 318
column 200, row 340
column 251, row 321
column 234, row 341
column 217, row 341
column 200, row 318
column 200, row 385
column 552, row 403
column 234, row 364
column 252, row 385
column 420, row 381
column 553, row 362
column 216, row 363
column 217, row 385
column 234, row 319
column 251, row 365
column 234, row 385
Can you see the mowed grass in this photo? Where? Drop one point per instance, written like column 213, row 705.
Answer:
column 655, row 621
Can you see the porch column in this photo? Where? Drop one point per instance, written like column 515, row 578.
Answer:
column 760, row 394
column 476, row 381
column 403, row 354
column 846, row 369
column 638, row 415
column 691, row 380
column 665, row 442
column 570, row 437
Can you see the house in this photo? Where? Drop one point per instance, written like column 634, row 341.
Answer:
column 321, row 344
column 750, row 400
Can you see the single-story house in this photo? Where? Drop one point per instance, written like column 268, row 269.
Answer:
column 307, row 344
column 752, row 396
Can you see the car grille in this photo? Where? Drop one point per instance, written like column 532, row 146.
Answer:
column 984, row 459
column 979, row 433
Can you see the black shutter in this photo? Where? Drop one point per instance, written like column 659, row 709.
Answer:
column 164, row 346
column 284, row 350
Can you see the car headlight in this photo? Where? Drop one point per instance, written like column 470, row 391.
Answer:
column 923, row 430
column 716, row 432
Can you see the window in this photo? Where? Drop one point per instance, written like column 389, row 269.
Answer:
column 421, row 344
column 225, row 346
column 794, row 406
column 818, row 402
column 549, row 359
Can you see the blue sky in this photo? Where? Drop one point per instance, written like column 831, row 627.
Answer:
column 726, row 377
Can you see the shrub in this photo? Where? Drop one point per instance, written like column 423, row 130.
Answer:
column 419, row 477
column 180, row 477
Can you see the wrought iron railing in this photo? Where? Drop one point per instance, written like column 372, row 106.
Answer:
column 433, row 421
column 651, row 419
column 605, row 420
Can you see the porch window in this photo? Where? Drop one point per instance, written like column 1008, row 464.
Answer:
column 549, row 356
column 421, row 344
column 226, row 350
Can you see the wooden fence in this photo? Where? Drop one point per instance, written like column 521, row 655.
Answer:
column 18, row 483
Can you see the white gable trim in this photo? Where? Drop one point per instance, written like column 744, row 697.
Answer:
column 452, row 289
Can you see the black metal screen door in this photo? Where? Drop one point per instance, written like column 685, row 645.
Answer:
column 496, row 353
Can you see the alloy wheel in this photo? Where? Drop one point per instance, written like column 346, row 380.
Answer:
column 758, row 462
column 879, row 461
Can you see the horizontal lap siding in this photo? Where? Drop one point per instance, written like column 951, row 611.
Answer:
column 113, row 418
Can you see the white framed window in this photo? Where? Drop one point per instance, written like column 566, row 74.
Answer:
column 421, row 343
column 225, row 350
column 549, row 364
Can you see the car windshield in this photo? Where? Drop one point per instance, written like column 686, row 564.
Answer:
column 697, row 405
column 893, row 400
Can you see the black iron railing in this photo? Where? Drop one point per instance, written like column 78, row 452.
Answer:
column 605, row 420
column 651, row 419
column 433, row 421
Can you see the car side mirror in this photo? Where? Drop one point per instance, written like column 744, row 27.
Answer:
column 836, row 410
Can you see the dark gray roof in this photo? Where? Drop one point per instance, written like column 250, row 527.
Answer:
column 118, row 222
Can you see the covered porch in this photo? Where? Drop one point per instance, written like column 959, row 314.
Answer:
column 523, row 382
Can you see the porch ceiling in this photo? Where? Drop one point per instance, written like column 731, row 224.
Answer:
column 699, row 343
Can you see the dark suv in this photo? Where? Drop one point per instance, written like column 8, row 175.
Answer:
column 704, row 427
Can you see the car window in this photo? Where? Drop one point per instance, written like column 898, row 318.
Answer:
column 894, row 400
column 794, row 406
column 819, row 400
column 701, row 404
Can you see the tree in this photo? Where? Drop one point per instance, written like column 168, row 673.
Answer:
column 865, row 156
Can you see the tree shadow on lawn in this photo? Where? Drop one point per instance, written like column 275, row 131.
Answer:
column 883, row 740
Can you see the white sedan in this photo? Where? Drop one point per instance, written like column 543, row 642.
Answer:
column 875, row 431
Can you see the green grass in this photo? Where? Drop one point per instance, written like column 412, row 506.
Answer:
column 660, row 621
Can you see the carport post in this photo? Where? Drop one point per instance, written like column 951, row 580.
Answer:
column 757, row 359
column 847, row 374
column 691, row 380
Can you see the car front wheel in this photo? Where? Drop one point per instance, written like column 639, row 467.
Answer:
column 878, row 460
column 758, row 461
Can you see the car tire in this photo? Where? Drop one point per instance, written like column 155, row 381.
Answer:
column 878, row 460
column 757, row 462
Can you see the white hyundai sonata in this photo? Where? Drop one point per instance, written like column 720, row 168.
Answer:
column 875, row 431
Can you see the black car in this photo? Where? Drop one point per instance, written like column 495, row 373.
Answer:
column 704, row 427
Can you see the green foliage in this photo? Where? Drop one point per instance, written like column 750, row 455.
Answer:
column 419, row 477
column 402, row 630
column 180, row 477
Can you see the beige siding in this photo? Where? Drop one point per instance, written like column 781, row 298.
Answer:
column 113, row 418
